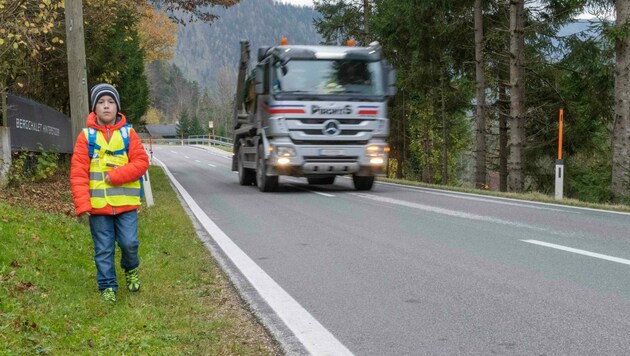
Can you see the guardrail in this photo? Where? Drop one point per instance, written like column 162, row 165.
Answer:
column 195, row 140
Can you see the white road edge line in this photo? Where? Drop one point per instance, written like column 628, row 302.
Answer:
column 578, row 251
column 315, row 338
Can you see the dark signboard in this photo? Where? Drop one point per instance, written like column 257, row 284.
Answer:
column 35, row 125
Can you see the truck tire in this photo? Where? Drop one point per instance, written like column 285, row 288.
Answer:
column 246, row 176
column 321, row 180
column 363, row 182
column 265, row 183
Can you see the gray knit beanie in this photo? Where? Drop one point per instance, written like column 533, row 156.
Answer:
column 103, row 89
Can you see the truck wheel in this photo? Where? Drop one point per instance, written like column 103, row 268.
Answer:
column 265, row 183
column 246, row 176
column 363, row 182
column 321, row 180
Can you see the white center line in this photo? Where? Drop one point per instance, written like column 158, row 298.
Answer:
column 459, row 214
column 174, row 152
column 198, row 161
column 311, row 191
column 186, row 157
column 578, row 251
column 212, row 165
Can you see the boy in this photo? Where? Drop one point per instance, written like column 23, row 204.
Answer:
column 107, row 163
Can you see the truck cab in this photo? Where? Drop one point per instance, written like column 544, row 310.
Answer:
column 314, row 112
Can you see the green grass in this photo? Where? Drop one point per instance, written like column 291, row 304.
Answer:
column 49, row 302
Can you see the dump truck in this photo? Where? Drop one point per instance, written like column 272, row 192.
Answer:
column 312, row 111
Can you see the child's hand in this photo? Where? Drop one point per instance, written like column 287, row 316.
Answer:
column 84, row 218
column 107, row 180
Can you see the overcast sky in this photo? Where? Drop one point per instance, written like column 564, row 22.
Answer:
column 310, row 3
column 298, row 2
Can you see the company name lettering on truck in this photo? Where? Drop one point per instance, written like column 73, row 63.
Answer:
column 346, row 110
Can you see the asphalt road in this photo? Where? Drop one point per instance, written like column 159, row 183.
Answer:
column 410, row 271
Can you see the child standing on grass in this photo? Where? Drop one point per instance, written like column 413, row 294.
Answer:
column 107, row 164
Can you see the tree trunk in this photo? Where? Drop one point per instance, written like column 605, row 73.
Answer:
column 427, row 168
column 503, row 137
column 621, row 133
column 444, row 133
column 516, row 177
column 480, row 147
column 366, row 19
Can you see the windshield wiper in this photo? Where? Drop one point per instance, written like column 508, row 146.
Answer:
column 295, row 91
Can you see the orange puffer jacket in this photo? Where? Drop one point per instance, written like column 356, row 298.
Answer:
column 80, row 167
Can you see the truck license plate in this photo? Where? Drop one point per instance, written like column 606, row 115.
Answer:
column 331, row 152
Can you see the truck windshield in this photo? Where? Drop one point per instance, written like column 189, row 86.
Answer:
column 329, row 77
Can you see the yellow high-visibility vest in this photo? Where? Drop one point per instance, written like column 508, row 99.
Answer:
column 108, row 156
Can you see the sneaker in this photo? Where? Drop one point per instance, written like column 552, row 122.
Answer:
column 132, row 277
column 108, row 294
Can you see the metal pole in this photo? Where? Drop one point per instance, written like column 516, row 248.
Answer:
column 77, row 73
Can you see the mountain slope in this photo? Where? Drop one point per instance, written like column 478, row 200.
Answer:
column 203, row 49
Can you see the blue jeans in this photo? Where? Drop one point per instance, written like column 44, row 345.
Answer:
column 107, row 230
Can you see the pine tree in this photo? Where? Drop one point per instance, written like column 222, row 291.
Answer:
column 183, row 126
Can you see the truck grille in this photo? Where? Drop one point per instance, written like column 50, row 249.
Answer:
column 331, row 159
column 344, row 130
column 326, row 142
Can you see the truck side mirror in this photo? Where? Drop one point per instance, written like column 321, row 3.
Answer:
column 391, row 81
column 260, row 79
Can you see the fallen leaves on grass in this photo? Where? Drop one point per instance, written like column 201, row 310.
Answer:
column 52, row 195
column 7, row 277
column 21, row 287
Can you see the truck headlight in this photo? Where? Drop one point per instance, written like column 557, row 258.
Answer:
column 376, row 151
column 285, row 151
column 283, row 160
column 376, row 161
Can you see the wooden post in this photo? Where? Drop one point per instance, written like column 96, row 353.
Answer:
column 77, row 73
column 5, row 140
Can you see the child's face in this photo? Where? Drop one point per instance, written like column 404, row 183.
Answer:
column 106, row 110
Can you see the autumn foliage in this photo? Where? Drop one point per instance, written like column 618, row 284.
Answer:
column 32, row 40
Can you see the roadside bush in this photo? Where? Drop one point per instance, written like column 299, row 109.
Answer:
column 588, row 177
column 33, row 166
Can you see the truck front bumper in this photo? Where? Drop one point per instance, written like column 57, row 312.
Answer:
column 361, row 160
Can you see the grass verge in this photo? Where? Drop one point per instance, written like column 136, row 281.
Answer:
column 49, row 302
column 535, row 197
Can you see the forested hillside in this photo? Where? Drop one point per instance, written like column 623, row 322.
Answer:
column 203, row 49
column 200, row 80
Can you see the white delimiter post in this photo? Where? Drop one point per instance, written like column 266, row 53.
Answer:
column 146, row 186
column 559, row 178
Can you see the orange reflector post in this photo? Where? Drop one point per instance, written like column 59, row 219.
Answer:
column 284, row 41
column 560, row 127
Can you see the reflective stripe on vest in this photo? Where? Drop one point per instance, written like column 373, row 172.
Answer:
column 108, row 156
